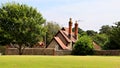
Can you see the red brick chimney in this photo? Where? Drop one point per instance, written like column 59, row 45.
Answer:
column 70, row 28
column 76, row 30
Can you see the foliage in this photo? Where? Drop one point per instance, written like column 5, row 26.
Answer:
column 115, row 34
column 83, row 46
column 2, row 50
column 100, row 39
column 82, row 34
column 105, row 29
column 52, row 29
column 80, row 31
column 111, row 45
column 91, row 32
column 114, row 38
column 21, row 25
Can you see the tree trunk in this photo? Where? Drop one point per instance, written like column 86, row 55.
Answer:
column 20, row 49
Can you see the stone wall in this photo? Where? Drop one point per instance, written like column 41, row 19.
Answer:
column 38, row 51
column 107, row 52
column 63, row 52
column 31, row 51
column 51, row 51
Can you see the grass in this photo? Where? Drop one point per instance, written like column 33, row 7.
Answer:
column 59, row 62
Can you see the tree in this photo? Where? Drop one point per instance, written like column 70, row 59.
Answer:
column 115, row 34
column 21, row 25
column 91, row 32
column 100, row 39
column 114, row 38
column 80, row 31
column 52, row 29
column 83, row 46
column 105, row 29
column 111, row 45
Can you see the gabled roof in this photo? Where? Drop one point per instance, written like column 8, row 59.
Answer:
column 66, row 37
column 57, row 39
column 96, row 47
column 65, row 33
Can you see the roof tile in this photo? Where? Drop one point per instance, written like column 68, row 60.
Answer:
column 60, row 42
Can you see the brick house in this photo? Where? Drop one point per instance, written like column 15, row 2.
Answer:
column 65, row 38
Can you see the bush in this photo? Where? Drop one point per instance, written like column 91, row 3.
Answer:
column 114, row 38
column 2, row 50
column 100, row 39
column 83, row 46
column 111, row 45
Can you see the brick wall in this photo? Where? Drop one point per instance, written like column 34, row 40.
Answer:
column 107, row 52
column 38, row 51
column 31, row 51
column 63, row 52
column 51, row 51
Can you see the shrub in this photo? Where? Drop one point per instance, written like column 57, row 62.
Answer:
column 111, row 45
column 100, row 39
column 83, row 46
column 114, row 38
column 2, row 50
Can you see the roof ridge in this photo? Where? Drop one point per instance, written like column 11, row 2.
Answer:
column 66, row 37
column 59, row 41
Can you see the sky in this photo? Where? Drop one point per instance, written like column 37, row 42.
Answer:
column 90, row 14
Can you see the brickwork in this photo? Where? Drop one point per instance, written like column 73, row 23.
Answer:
column 63, row 52
column 31, row 51
column 38, row 51
column 107, row 52
column 51, row 51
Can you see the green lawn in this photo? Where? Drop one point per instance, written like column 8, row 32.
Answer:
column 59, row 62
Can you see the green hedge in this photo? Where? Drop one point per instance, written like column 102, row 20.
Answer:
column 2, row 50
column 83, row 46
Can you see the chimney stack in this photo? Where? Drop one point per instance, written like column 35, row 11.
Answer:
column 70, row 28
column 76, row 30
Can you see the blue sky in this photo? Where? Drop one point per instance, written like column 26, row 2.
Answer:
column 92, row 13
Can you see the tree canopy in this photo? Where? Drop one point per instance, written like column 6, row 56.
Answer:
column 114, row 37
column 52, row 29
column 100, row 39
column 91, row 32
column 20, row 24
column 105, row 29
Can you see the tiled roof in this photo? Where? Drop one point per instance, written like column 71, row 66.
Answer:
column 66, row 37
column 65, row 33
column 57, row 39
column 96, row 47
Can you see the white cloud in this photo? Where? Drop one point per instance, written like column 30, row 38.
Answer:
column 94, row 14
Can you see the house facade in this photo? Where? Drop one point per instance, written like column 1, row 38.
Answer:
column 65, row 38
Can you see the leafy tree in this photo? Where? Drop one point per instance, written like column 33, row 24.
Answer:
column 91, row 32
column 2, row 50
column 115, row 33
column 83, row 46
column 105, row 29
column 111, row 45
column 114, row 37
column 21, row 25
column 52, row 29
column 100, row 39
column 80, row 31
